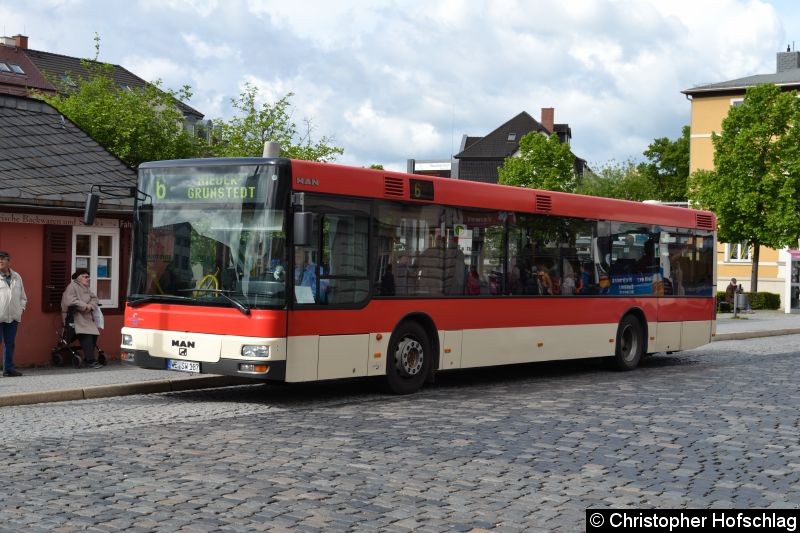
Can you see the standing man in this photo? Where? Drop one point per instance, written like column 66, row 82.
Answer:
column 12, row 303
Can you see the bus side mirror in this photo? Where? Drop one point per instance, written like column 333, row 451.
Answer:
column 303, row 228
column 89, row 212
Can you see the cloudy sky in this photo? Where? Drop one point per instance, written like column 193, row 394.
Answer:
column 407, row 78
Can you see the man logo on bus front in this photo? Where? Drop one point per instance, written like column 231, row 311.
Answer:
column 183, row 344
column 307, row 181
column 183, row 351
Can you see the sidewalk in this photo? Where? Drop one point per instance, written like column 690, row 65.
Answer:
column 758, row 324
column 57, row 384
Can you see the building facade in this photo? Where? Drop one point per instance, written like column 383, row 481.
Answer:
column 710, row 105
column 47, row 166
column 479, row 157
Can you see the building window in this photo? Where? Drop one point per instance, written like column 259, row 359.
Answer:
column 97, row 249
column 512, row 137
column 4, row 67
column 736, row 102
column 738, row 252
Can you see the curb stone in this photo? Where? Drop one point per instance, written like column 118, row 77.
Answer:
column 121, row 389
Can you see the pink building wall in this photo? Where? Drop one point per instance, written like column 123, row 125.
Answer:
column 38, row 331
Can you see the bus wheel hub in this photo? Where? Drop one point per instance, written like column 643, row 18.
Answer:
column 409, row 357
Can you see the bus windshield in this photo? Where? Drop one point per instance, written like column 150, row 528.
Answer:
column 210, row 235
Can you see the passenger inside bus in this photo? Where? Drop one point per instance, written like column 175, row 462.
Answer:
column 473, row 282
column 513, row 277
column 455, row 268
column 584, row 280
column 305, row 275
column 646, row 263
column 568, row 283
column 544, row 281
column 404, row 275
column 387, row 282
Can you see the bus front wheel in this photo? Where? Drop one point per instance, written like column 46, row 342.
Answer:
column 409, row 358
column 630, row 343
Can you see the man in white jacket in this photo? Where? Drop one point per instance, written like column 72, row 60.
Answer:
column 12, row 303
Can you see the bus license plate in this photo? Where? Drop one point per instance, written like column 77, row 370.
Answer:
column 183, row 366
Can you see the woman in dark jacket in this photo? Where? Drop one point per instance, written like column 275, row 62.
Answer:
column 80, row 297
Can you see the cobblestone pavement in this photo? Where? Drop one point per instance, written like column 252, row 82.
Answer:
column 515, row 449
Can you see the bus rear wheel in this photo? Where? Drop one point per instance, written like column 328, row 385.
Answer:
column 630, row 343
column 409, row 358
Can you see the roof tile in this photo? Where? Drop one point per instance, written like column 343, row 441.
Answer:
column 43, row 158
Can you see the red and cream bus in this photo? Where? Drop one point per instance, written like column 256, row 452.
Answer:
column 297, row 271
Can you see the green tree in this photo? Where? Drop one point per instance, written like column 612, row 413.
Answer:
column 244, row 135
column 134, row 124
column 543, row 163
column 668, row 167
column 754, row 188
column 614, row 180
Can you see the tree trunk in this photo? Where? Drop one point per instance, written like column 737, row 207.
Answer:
column 754, row 268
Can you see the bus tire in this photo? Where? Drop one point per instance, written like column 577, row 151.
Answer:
column 409, row 359
column 630, row 343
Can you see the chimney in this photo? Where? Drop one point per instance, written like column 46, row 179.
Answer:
column 548, row 118
column 21, row 41
column 788, row 61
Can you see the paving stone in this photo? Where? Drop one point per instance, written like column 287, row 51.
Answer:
column 522, row 449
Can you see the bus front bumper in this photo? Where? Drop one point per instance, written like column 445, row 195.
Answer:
column 259, row 369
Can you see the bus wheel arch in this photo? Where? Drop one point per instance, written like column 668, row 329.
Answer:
column 631, row 341
column 413, row 354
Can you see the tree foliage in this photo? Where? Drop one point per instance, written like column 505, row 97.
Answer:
column 543, row 163
column 663, row 177
column 668, row 167
column 754, row 188
column 134, row 124
column 144, row 124
column 614, row 180
column 244, row 135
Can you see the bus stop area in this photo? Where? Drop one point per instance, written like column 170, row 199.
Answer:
column 56, row 384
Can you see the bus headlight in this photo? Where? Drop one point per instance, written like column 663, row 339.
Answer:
column 255, row 350
column 127, row 340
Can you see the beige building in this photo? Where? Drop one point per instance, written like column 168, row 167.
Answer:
column 710, row 105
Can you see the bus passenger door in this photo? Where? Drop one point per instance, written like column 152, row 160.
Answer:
column 331, row 283
column 672, row 248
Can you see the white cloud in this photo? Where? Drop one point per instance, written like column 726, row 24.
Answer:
column 156, row 68
column 328, row 24
column 368, row 127
column 404, row 79
column 203, row 8
column 209, row 49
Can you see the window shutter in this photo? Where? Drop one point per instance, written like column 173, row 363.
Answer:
column 57, row 262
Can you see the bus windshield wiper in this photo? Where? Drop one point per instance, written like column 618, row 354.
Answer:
column 156, row 298
column 236, row 303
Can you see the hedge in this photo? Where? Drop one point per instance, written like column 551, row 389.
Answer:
column 758, row 300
